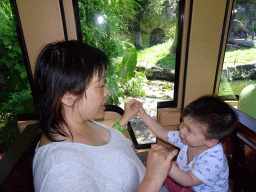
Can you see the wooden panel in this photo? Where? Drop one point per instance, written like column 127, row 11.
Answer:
column 41, row 24
column 169, row 118
column 204, row 43
column 70, row 20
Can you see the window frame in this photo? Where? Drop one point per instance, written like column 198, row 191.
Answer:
column 242, row 117
column 161, row 104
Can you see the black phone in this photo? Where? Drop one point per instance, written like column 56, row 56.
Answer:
column 135, row 141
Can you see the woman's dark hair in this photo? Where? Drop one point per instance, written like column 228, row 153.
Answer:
column 219, row 118
column 61, row 67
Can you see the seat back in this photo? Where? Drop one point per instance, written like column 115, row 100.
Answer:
column 16, row 164
column 241, row 176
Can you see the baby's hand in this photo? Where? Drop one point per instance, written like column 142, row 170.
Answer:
column 131, row 109
column 141, row 112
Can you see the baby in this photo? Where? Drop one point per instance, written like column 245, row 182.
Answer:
column 201, row 163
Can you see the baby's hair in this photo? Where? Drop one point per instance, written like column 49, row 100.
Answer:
column 218, row 117
column 61, row 67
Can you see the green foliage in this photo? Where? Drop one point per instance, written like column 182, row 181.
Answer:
column 120, row 71
column 15, row 90
column 18, row 103
column 128, row 63
column 106, row 36
column 134, row 86
column 117, row 16
column 9, row 133
column 172, row 33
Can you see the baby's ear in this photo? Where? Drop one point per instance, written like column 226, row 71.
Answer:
column 68, row 99
column 212, row 142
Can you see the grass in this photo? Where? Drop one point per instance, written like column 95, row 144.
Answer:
column 238, row 85
column 157, row 55
column 238, row 56
column 241, row 55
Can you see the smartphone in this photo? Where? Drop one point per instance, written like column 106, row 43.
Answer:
column 135, row 141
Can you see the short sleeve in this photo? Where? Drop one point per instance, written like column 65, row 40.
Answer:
column 174, row 138
column 208, row 169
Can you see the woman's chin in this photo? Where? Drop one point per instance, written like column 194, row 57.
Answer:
column 99, row 115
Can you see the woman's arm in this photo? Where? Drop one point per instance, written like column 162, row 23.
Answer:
column 158, row 165
column 131, row 108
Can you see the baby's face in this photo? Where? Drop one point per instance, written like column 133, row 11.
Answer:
column 192, row 132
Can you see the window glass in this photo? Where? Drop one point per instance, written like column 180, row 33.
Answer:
column 140, row 38
column 15, row 94
column 239, row 69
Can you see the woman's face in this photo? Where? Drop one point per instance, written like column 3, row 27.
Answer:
column 91, row 105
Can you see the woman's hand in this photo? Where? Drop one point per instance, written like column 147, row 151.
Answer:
column 158, row 166
column 159, row 161
column 131, row 109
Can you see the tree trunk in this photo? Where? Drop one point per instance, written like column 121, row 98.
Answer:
column 137, row 39
column 137, row 33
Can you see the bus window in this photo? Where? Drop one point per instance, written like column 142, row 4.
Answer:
column 239, row 68
column 141, row 39
column 16, row 96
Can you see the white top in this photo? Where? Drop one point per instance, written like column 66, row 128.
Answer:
column 211, row 166
column 67, row 166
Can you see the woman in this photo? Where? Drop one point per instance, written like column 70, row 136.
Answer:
column 76, row 153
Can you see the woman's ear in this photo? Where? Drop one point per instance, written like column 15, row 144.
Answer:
column 68, row 99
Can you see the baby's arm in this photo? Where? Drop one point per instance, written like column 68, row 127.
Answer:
column 186, row 179
column 154, row 126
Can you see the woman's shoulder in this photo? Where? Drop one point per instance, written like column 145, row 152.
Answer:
column 55, row 148
column 55, row 153
column 44, row 141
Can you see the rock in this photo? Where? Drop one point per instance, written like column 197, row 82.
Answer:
column 246, row 71
column 157, row 73
column 241, row 42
